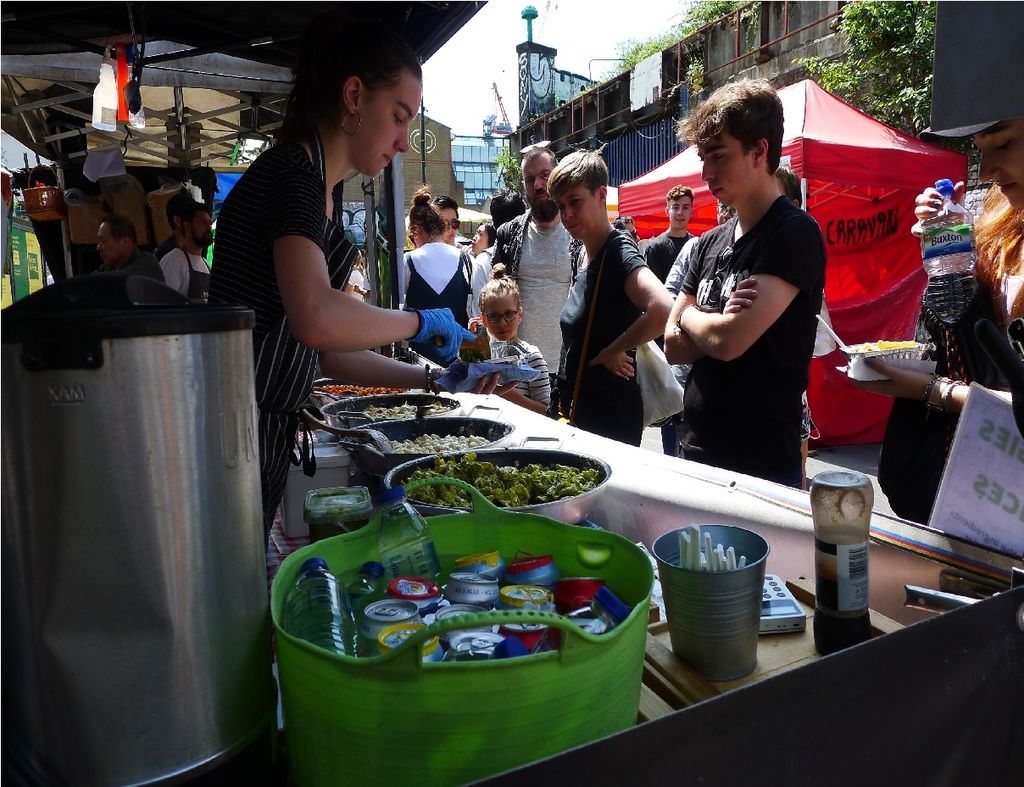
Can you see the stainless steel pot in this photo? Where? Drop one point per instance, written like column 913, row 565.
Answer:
column 135, row 610
column 347, row 413
column 376, row 459
column 569, row 509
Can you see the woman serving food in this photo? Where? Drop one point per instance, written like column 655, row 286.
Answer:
column 281, row 249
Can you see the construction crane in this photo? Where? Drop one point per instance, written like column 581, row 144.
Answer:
column 504, row 127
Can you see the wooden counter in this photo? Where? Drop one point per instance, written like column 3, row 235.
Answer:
column 670, row 684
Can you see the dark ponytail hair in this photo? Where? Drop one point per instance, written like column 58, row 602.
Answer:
column 337, row 45
column 426, row 214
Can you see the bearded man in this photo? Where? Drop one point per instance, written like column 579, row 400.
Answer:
column 540, row 255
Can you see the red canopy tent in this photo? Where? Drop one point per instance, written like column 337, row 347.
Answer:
column 862, row 177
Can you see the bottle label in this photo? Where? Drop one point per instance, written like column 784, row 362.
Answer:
column 947, row 239
column 841, row 572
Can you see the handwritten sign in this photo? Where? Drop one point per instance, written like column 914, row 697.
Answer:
column 981, row 497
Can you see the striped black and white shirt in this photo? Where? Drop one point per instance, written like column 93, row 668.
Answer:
column 281, row 194
column 538, row 390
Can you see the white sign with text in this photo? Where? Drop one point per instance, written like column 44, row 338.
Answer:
column 981, row 497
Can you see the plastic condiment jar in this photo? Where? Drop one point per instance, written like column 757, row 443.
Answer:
column 532, row 570
column 392, row 638
column 487, row 563
column 526, row 597
column 424, row 593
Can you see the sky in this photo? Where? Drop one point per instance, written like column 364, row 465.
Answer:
column 457, row 79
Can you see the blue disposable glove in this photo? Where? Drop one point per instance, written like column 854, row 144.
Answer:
column 438, row 326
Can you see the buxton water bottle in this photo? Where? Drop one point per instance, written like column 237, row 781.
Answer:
column 317, row 612
column 406, row 546
column 947, row 248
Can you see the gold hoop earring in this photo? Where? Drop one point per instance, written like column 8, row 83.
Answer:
column 359, row 123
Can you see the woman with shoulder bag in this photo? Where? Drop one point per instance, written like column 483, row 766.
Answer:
column 615, row 305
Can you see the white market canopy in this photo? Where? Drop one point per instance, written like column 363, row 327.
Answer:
column 228, row 63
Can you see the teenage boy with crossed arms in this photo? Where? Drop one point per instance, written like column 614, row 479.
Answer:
column 750, row 349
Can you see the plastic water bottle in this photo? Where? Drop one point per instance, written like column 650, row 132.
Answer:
column 317, row 612
column 608, row 610
column 104, row 98
column 406, row 546
column 368, row 584
column 947, row 246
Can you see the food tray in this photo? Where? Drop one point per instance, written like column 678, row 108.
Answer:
column 910, row 357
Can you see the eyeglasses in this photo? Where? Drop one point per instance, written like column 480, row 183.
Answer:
column 508, row 316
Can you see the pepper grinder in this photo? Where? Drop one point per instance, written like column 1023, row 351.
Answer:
column 841, row 503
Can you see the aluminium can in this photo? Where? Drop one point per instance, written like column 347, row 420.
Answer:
column 471, row 645
column 379, row 615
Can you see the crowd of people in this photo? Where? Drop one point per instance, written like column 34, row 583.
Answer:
column 551, row 280
column 746, row 295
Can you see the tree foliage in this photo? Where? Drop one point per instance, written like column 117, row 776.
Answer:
column 509, row 169
column 695, row 16
column 704, row 13
column 886, row 68
column 632, row 51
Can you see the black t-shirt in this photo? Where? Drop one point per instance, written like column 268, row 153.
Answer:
column 614, row 312
column 661, row 252
column 745, row 414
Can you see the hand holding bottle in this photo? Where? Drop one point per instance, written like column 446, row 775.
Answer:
column 928, row 203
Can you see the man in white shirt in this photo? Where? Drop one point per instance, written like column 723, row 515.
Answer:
column 184, row 267
column 541, row 256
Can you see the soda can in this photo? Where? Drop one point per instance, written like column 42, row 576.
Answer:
column 471, row 645
column 426, row 595
column 466, row 588
column 526, row 597
column 530, row 634
column 392, row 638
column 379, row 615
column 455, row 610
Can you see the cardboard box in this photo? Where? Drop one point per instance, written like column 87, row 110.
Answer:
column 132, row 206
column 84, row 219
column 157, row 202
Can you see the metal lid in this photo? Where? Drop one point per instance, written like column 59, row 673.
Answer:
column 114, row 307
column 413, row 588
column 389, row 610
column 473, row 640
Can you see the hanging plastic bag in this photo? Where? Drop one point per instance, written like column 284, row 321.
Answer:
column 662, row 393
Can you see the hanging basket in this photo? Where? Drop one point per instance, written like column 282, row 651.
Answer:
column 45, row 203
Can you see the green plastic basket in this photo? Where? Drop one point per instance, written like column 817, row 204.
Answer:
column 394, row 720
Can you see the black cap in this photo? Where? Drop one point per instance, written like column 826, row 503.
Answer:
column 977, row 68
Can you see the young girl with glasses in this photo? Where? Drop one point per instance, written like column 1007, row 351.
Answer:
column 501, row 314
